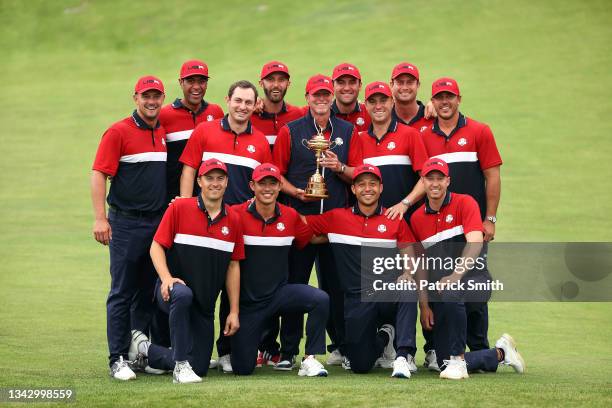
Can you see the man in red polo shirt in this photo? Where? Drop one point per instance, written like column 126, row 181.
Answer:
column 449, row 225
column 132, row 153
column 469, row 149
column 347, row 84
column 196, row 251
column 182, row 116
column 242, row 148
column 408, row 110
column 276, row 113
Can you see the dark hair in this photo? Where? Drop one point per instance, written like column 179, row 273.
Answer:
column 241, row 84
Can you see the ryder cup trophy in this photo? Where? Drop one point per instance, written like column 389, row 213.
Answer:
column 316, row 184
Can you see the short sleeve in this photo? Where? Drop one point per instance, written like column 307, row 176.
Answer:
column 192, row 155
column 355, row 156
column 166, row 230
column 302, row 232
column 109, row 153
column 238, row 253
column 404, row 233
column 488, row 155
column 470, row 215
column 216, row 111
column 282, row 150
column 418, row 153
column 320, row 224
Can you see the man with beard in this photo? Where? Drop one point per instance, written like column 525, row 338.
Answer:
column 347, row 84
column 276, row 113
column 132, row 153
column 182, row 116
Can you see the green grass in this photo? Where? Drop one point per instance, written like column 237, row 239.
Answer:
column 537, row 72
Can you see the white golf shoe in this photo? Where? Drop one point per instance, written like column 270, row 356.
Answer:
column 225, row 364
column 121, row 370
column 311, row 367
column 401, row 369
column 511, row 355
column 183, row 374
column 455, row 369
column 335, row 358
column 431, row 361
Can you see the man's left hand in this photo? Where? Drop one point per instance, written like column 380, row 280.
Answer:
column 489, row 230
column 232, row 324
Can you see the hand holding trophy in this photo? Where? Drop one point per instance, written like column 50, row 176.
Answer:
column 316, row 184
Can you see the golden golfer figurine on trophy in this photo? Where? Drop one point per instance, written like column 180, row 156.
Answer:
column 316, row 184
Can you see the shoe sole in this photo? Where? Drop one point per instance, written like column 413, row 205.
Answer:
column 513, row 350
column 188, row 382
column 399, row 375
column 319, row 374
column 283, row 368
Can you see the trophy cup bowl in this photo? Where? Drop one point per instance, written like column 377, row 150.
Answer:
column 316, row 187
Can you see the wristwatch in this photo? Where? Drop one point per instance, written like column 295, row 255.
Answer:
column 406, row 202
column 342, row 169
column 492, row 218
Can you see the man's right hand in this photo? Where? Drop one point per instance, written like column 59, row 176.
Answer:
column 301, row 195
column 167, row 285
column 426, row 317
column 259, row 106
column 102, row 231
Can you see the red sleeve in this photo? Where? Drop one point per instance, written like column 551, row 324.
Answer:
column 319, row 224
column 418, row 153
column 470, row 215
column 404, row 233
column 238, row 253
column 166, row 230
column 267, row 154
column 488, row 155
column 109, row 153
column 217, row 112
column 192, row 154
column 302, row 232
column 282, row 150
column 355, row 156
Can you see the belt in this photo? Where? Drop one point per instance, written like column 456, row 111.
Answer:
column 135, row 213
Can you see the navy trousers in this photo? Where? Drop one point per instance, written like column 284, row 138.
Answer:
column 191, row 332
column 300, row 264
column 130, row 300
column 289, row 300
column 364, row 343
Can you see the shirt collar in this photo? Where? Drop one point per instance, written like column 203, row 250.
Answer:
column 218, row 218
column 311, row 123
column 392, row 128
column 336, row 111
column 446, row 201
column 461, row 122
column 226, row 126
column 268, row 115
column 141, row 123
column 252, row 208
column 178, row 104
column 378, row 211
column 419, row 115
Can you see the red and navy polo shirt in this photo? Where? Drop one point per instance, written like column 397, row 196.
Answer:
column 442, row 232
column 134, row 155
column 200, row 248
column 359, row 117
column 469, row 149
column 240, row 152
column 349, row 230
column 267, row 244
column 297, row 163
column 271, row 123
column 399, row 154
column 418, row 122
column 179, row 122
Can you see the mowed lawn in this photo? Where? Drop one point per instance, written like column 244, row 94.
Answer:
column 537, row 72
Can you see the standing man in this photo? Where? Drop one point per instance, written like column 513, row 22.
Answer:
column 369, row 324
column 269, row 229
column 242, row 148
column 132, row 153
column 183, row 115
column 347, row 84
column 469, row 149
column 405, row 84
column 449, row 226
column 297, row 163
column 396, row 149
column 196, row 251
column 276, row 113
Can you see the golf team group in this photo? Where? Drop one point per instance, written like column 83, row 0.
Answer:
column 205, row 206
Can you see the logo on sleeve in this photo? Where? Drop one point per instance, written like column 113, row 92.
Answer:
column 251, row 149
column 423, row 128
column 382, row 228
column 225, row 230
column 462, row 141
column 280, row 226
column 209, row 118
column 339, row 141
column 391, row 145
column 360, row 121
column 449, row 218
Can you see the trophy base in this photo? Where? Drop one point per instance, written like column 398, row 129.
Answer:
column 316, row 190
